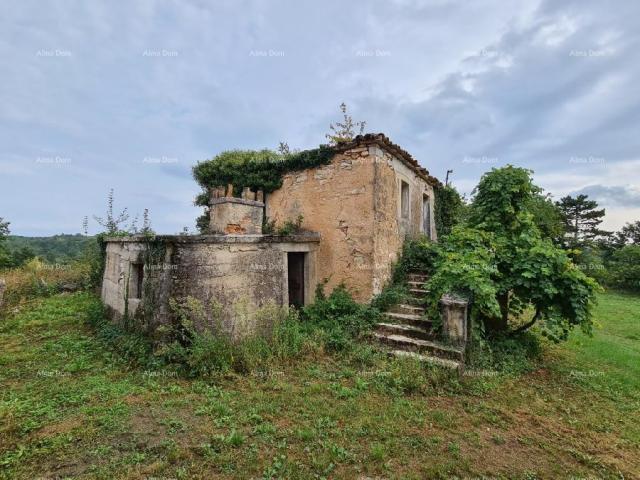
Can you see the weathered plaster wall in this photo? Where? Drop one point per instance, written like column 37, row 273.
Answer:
column 390, row 227
column 336, row 200
column 355, row 204
column 239, row 273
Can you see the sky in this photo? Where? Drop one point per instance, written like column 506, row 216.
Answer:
column 130, row 95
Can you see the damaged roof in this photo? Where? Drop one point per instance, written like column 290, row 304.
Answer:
column 381, row 140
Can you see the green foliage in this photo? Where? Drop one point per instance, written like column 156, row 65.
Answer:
column 256, row 169
column 630, row 233
column 290, row 227
column 56, row 249
column 5, row 257
column 505, row 354
column 624, row 270
column 201, row 352
column 418, row 254
column 581, row 219
column 391, row 295
column 338, row 317
column 547, row 217
column 131, row 347
column 465, row 265
column 449, row 208
column 501, row 262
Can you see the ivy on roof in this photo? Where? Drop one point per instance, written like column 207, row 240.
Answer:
column 256, row 169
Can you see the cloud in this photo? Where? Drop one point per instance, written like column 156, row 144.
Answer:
column 620, row 195
column 462, row 86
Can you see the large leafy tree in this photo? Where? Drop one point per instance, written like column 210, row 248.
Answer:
column 501, row 259
column 581, row 219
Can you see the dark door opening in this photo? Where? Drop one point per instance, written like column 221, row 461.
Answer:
column 295, row 261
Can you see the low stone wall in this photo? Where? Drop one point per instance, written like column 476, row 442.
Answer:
column 230, row 276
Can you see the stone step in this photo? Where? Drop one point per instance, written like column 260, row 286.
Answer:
column 402, row 342
column 406, row 308
column 415, row 284
column 415, row 301
column 412, row 319
column 411, row 331
column 417, row 276
column 442, row 362
column 418, row 292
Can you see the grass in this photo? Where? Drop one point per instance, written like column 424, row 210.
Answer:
column 71, row 407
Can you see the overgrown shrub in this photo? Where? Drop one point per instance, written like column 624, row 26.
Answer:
column 418, row 254
column 277, row 336
column 338, row 317
column 449, row 208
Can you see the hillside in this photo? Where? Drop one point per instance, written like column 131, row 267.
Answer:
column 61, row 248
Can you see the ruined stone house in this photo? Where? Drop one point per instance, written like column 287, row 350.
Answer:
column 357, row 210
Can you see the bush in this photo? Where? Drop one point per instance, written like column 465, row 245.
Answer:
column 278, row 336
column 339, row 317
column 449, row 208
column 131, row 347
column 624, row 270
column 418, row 254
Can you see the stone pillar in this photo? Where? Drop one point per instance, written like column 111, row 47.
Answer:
column 455, row 327
column 235, row 216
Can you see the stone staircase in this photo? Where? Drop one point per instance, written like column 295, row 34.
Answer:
column 407, row 332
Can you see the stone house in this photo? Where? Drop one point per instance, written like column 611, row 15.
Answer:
column 356, row 210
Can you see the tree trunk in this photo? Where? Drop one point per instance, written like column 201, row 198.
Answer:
column 499, row 324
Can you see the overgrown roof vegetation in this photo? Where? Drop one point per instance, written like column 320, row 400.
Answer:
column 256, row 169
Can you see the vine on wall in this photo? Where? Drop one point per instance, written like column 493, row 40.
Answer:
column 256, row 169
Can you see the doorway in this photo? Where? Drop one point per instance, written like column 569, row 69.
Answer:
column 426, row 216
column 295, row 262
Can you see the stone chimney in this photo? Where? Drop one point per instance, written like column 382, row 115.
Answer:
column 229, row 215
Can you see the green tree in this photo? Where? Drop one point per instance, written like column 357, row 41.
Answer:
column 5, row 257
column 624, row 269
column 630, row 233
column 581, row 219
column 22, row 256
column 501, row 260
column 548, row 217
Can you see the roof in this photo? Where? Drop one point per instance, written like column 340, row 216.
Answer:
column 381, row 140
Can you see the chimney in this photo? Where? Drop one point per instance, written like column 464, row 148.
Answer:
column 229, row 215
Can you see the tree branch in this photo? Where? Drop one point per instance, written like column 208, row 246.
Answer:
column 529, row 324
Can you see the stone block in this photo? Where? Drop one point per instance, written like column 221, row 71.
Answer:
column 455, row 327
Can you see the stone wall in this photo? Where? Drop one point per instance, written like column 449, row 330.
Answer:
column 354, row 202
column 391, row 228
column 337, row 201
column 230, row 275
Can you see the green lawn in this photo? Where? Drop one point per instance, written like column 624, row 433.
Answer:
column 71, row 408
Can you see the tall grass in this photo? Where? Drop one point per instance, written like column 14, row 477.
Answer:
column 38, row 279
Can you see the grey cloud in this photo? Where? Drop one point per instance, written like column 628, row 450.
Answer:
column 618, row 195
